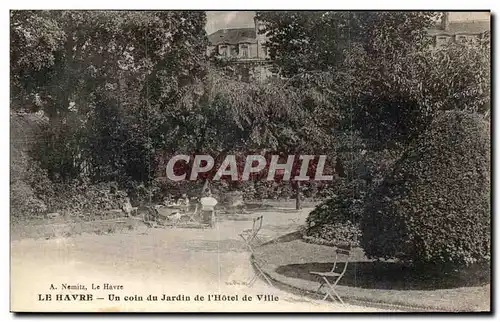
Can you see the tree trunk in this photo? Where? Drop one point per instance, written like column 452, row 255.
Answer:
column 205, row 187
column 298, row 202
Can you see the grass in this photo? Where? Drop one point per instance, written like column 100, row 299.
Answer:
column 49, row 229
column 290, row 261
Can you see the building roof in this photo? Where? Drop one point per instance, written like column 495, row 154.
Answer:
column 233, row 36
column 462, row 27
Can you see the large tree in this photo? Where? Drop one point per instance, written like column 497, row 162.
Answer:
column 233, row 117
column 108, row 82
column 301, row 41
column 377, row 68
column 280, row 119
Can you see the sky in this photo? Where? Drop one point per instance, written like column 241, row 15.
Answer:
column 239, row 19
column 228, row 19
column 461, row 16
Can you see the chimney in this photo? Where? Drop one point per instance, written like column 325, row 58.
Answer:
column 445, row 21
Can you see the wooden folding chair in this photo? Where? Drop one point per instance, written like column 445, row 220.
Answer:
column 174, row 219
column 332, row 277
column 191, row 216
column 258, row 263
column 150, row 218
column 250, row 235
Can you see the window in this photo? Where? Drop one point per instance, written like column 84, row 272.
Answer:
column 223, row 50
column 461, row 39
column 442, row 41
column 470, row 39
column 244, row 51
column 234, row 51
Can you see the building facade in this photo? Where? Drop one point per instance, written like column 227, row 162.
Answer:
column 465, row 28
column 245, row 49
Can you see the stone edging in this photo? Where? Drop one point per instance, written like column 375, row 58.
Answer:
column 283, row 285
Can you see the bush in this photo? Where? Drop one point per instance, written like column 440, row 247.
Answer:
column 336, row 221
column 23, row 201
column 82, row 197
column 32, row 193
column 29, row 184
column 435, row 206
column 342, row 206
column 342, row 234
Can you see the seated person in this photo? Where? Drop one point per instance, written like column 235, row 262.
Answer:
column 183, row 203
column 127, row 207
column 167, row 201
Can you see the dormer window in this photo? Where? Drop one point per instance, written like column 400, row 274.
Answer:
column 234, row 51
column 442, row 40
column 244, row 51
column 223, row 50
column 463, row 39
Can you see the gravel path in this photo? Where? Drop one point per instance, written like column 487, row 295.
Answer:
column 178, row 263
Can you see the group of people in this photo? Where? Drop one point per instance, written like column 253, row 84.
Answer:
column 205, row 206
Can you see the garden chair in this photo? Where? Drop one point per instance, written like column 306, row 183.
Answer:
column 250, row 235
column 128, row 209
column 175, row 218
column 192, row 215
column 332, row 277
column 258, row 263
column 150, row 218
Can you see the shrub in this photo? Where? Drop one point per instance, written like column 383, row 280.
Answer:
column 76, row 198
column 23, row 201
column 336, row 221
column 342, row 234
column 435, row 205
column 29, row 184
column 342, row 206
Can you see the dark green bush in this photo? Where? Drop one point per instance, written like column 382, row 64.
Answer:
column 344, row 205
column 83, row 197
column 336, row 221
column 341, row 234
column 435, row 205
column 29, row 184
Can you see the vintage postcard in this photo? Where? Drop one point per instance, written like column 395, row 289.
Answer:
column 250, row 161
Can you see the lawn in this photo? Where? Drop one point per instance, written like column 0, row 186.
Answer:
column 388, row 283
